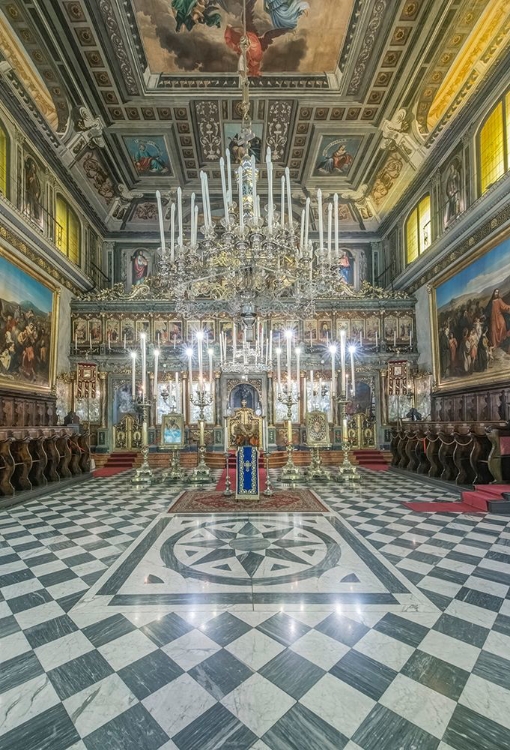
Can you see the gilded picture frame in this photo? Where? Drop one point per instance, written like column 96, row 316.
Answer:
column 317, row 429
column 172, row 431
column 470, row 319
column 28, row 335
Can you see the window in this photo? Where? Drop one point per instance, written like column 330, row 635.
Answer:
column 417, row 230
column 68, row 231
column 494, row 144
column 4, row 161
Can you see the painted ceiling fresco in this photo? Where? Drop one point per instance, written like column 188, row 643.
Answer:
column 286, row 36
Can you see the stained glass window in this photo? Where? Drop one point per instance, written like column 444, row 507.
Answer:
column 418, row 229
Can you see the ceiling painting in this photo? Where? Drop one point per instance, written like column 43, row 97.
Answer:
column 203, row 36
column 235, row 143
column 336, row 155
column 149, row 155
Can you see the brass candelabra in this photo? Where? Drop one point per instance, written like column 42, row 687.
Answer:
column 290, row 472
column 201, row 473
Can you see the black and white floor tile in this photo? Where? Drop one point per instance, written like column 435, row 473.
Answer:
column 366, row 628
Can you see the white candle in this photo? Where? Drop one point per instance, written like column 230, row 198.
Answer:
column 161, row 227
column 342, row 358
column 133, row 374
column 376, row 338
column 289, row 197
column 279, row 366
column 335, row 209
column 143, row 346
column 241, row 207
column 394, row 338
column 210, row 353
column 229, row 178
column 254, row 188
column 298, row 371
column 269, row 165
column 192, row 217
column 204, row 197
column 289, row 357
column 234, row 339
column 307, row 221
column 76, row 342
column 177, row 393
column 196, row 226
column 282, row 209
column 172, row 232
column 302, row 235
column 321, row 223
column 332, row 349
column 190, row 368
column 361, row 338
column 200, row 338
column 224, row 190
column 179, row 216
column 330, row 227
column 411, row 337
column 125, row 342
column 156, row 363
column 352, row 349
column 109, row 340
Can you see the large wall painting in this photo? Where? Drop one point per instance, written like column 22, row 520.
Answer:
column 336, row 155
column 201, row 36
column 28, row 311
column 472, row 320
column 149, row 155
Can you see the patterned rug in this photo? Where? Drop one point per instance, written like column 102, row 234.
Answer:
column 283, row 501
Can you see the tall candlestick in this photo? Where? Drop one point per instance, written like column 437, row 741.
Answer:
column 133, row 375
column 200, row 339
column 156, row 363
column 241, row 207
column 279, row 366
column 254, row 188
column 342, row 359
column 179, row 216
column 321, row 223
column 298, row 371
column 189, row 352
column 177, row 394
column 210, row 353
column 352, row 350
column 229, row 178
column 335, row 209
column 330, row 225
column 289, row 197
column 224, row 190
column 143, row 347
column 172, row 232
column 161, row 227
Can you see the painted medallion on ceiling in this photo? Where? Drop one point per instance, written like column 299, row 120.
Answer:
column 203, row 36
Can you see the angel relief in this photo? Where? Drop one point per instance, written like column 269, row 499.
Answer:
column 282, row 15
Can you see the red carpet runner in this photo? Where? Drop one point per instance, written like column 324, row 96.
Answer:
column 485, row 498
column 232, row 473
column 116, row 463
column 371, row 459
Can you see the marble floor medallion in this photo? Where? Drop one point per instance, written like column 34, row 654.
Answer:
column 248, row 561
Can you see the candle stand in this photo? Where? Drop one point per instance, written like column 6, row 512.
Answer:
column 290, row 472
column 268, row 492
column 144, row 474
column 316, row 469
column 201, row 473
column 175, row 472
column 347, row 472
column 228, row 485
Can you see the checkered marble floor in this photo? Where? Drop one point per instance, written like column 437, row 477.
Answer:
column 81, row 669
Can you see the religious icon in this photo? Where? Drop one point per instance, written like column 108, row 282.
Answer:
column 150, row 157
column 140, row 267
column 95, row 330
column 342, row 325
column 373, row 328
column 346, row 267
column 227, row 328
column 112, row 331
column 143, row 326
column 175, row 331
column 358, row 330
column 238, row 147
column 453, row 191
column 172, row 430
column 33, row 206
column 128, row 331
column 161, row 331
column 325, row 331
column 80, row 331
column 310, row 331
column 337, row 155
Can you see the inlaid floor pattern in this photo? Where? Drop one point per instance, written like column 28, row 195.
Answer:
column 367, row 628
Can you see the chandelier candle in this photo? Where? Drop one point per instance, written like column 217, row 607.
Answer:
column 289, row 198
column 254, row 189
column 241, row 207
column 330, row 222
column 179, row 216
column 321, row 222
column 192, row 218
column 335, row 208
column 172, row 233
column 269, row 165
column 282, row 209
column 161, row 227
column 224, row 190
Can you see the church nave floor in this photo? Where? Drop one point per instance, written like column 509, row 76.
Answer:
column 124, row 627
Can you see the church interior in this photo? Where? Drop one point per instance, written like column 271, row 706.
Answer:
column 254, row 374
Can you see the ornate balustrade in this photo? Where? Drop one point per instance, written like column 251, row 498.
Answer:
column 460, row 452
column 34, row 457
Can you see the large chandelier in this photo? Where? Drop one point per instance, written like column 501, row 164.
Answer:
column 256, row 260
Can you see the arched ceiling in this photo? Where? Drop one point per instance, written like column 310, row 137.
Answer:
column 332, row 81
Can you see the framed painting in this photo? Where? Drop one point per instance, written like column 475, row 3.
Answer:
column 175, row 332
column 405, row 329
column 358, row 330
column 128, row 331
column 28, row 328
column 206, row 326
column 172, row 431
column 391, row 328
column 143, row 326
column 343, row 325
column 113, row 332
column 161, row 337
column 373, row 328
column 280, row 326
column 80, row 337
column 96, row 330
column 325, row 330
column 310, row 331
column 471, row 319
column 149, row 155
column 227, row 328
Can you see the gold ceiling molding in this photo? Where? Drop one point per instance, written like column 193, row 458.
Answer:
column 472, row 46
